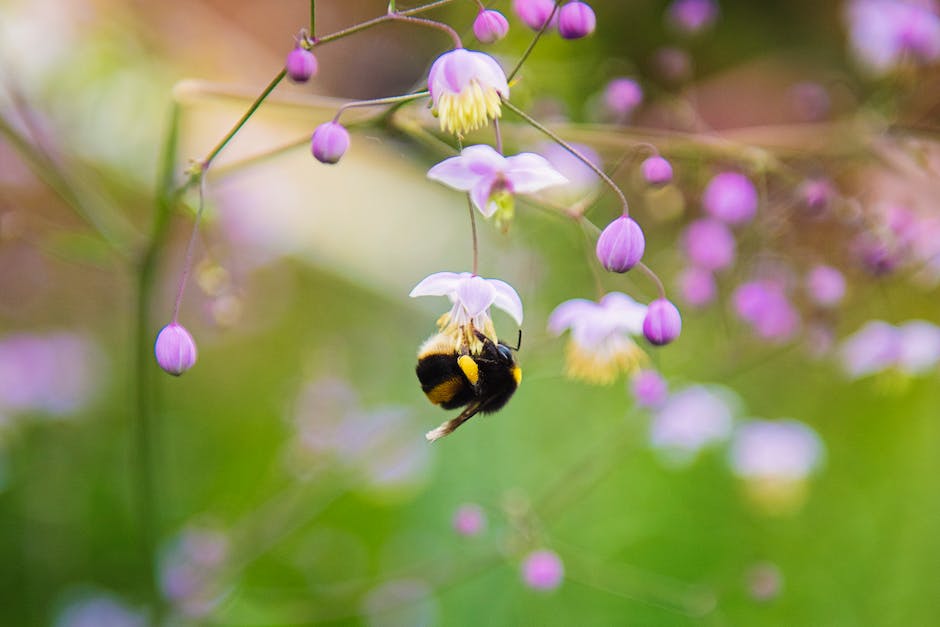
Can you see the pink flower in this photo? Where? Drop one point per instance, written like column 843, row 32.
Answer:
column 730, row 197
column 884, row 33
column 533, row 13
column 622, row 96
column 469, row 520
column 543, row 570
column 649, row 389
column 692, row 16
column 300, row 65
column 491, row 178
column 765, row 306
column 467, row 88
column 779, row 449
column 697, row 286
column 690, row 420
column 709, row 244
column 490, row 26
column 826, row 286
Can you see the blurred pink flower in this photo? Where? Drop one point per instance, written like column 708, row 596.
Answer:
column 690, row 420
column 469, row 520
column 765, row 306
column 543, row 570
column 885, row 33
column 778, row 449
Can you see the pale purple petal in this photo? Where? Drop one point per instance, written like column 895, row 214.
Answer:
column 473, row 165
column 569, row 314
column 476, row 294
column 871, row 349
column 480, row 197
column 528, row 173
column 506, row 298
column 438, row 284
column 623, row 312
column 781, row 449
column 919, row 346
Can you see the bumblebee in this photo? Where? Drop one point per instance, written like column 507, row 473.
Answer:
column 482, row 381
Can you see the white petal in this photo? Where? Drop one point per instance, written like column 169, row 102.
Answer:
column 475, row 294
column 528, row 173
column 622, row 312
column 437, row 284
column 507, row 299
column 490, row 73
column 570, row 313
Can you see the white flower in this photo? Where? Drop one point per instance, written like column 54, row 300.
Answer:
column 779, row 449
column 488, row 175
column 601, row 343
column 472, row 296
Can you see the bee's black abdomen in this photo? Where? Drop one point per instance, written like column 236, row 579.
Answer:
column 443, row 382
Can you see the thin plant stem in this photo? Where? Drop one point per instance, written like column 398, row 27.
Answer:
column 499, row 136
column 380, row 101
column 654, row 277
column 535, row 40
column 241, row 122
column 190, row 247
column 574, row 151
column 398, row 17
column 473, row 233
column 145, row 444
column 379, row 20
column 313, row 19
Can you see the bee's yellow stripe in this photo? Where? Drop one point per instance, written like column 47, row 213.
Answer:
column 469, row 368
column 444, row 391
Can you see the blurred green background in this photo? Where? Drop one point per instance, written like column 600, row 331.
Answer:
column 295, row 447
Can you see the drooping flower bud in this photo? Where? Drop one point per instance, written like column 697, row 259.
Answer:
column 663, row 323
column 533, row 13
column 301, row 65
column 576, row 20
column 490, row 26
column 730, row 197
column 330, row 142
column 621, row 245
column 657, row 171
column 175, row 349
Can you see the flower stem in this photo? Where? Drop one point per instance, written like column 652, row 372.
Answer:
column 574, row 151
column 655, row 278
column 380, row 101
column 241, row 122
column 145, row 441
column 473, row 233
column 378, row 20
column 313, row 19
column 430, row 24
column 535, row 40
column 499, row 136
column 190, row 247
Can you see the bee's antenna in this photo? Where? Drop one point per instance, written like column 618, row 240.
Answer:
column 518, row 342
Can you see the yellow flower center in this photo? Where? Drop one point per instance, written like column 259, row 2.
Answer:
column 468, row 110
column 602, row 365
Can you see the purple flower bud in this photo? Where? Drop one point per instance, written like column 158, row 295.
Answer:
column 621, row 245
column 826, row 286
column 709, row 244
column 657, row 171
column 301, row 65
column 533, row 13
column 622, row 96
column 576, row 20
column 490, row 26
column 730, row 197
column 878, row 256
column 662, row 323
column 697, row 286
column 649, row 389
column 175, row 349
column 692, row 16
column 543, row 570
column 330, row 142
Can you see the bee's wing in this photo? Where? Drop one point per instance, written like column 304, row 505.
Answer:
column 451, row 425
